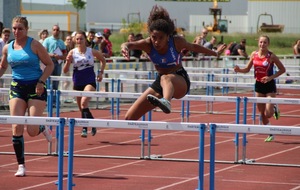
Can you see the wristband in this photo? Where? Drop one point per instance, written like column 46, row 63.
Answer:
column 40, row 81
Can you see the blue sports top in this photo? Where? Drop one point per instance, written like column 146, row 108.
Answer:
column 168, row 60
column 24, row 63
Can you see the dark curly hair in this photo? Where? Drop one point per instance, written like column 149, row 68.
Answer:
column 160, row 20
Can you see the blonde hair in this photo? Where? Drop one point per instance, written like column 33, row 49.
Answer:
column 21, row 19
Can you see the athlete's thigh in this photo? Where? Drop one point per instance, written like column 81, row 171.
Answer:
column 261, row 106
column 17, row 107
column 180, row 86
column 141, row 105
column 36, row 107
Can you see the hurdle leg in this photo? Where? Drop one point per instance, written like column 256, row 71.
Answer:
column 201, row 157
column 212, row 156
column 61, row 154
column 71, row 154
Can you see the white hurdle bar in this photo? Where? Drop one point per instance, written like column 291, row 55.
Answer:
column 199, row 98
column 26, row 120
column 240, row 128
column 128, row 124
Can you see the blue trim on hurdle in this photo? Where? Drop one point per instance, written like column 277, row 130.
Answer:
column 237, row 121
column 188, row 108
column 212, row 132
column 254, row 106
column 112, row 103
column 245, row 121
column 182, row 110
column 212, row 88
column 201, row 156
column 118, row 99
column 207, row 87
column 71, row 154
column 61, row 154
column 142, row 137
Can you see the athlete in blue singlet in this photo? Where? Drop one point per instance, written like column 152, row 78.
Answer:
column 28, row 88
column 165, row 51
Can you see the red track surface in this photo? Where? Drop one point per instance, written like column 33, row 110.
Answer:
column 136, row 174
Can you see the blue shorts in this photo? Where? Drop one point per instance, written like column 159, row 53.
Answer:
column 26, row 91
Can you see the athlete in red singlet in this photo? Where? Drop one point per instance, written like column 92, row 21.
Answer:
column 265, row 86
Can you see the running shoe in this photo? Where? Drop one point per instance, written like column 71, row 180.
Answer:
column 94, row 131
column 276, row 112
column 269, row 138
column 47, row 133
column 21, row 171
column 162, row 103
column 84, row 133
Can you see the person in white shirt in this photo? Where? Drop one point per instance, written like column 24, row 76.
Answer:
column 84, row 77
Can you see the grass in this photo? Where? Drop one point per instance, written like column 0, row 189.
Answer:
column 281, row 44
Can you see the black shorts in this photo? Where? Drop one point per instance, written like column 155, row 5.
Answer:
column 265, row 88
column 81, row 88
column 181, row 71
column 26, row 91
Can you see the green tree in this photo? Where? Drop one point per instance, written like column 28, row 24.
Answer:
column 78, row 5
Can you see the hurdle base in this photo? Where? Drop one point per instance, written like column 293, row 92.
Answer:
column 153, row 156
column 247, row 161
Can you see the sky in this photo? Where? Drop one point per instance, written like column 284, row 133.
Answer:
column 59, row 2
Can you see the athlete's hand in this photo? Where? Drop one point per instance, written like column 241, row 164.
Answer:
column 221, row 49
column 125, row 52
column 265, row 79
column 39, row 90
column 236, row 68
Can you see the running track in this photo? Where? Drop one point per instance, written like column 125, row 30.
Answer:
column 127, row 172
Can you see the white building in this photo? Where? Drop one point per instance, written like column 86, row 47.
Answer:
column 242, row 15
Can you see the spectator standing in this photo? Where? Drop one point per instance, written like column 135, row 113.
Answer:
column 28, row 89
column 239, row 49
column 263, row 61
column 106, row 45
column 296, row 47
column 43, row 34
column 98, row 40
column 56, row 49
column 5, row 35
column 4, row 39
column 84, row 77
column 1, row 27
column 136, row 52
column 201, row 39
column 210, row 44
column 90, row 39
column 66, row 84
column 130, row 37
